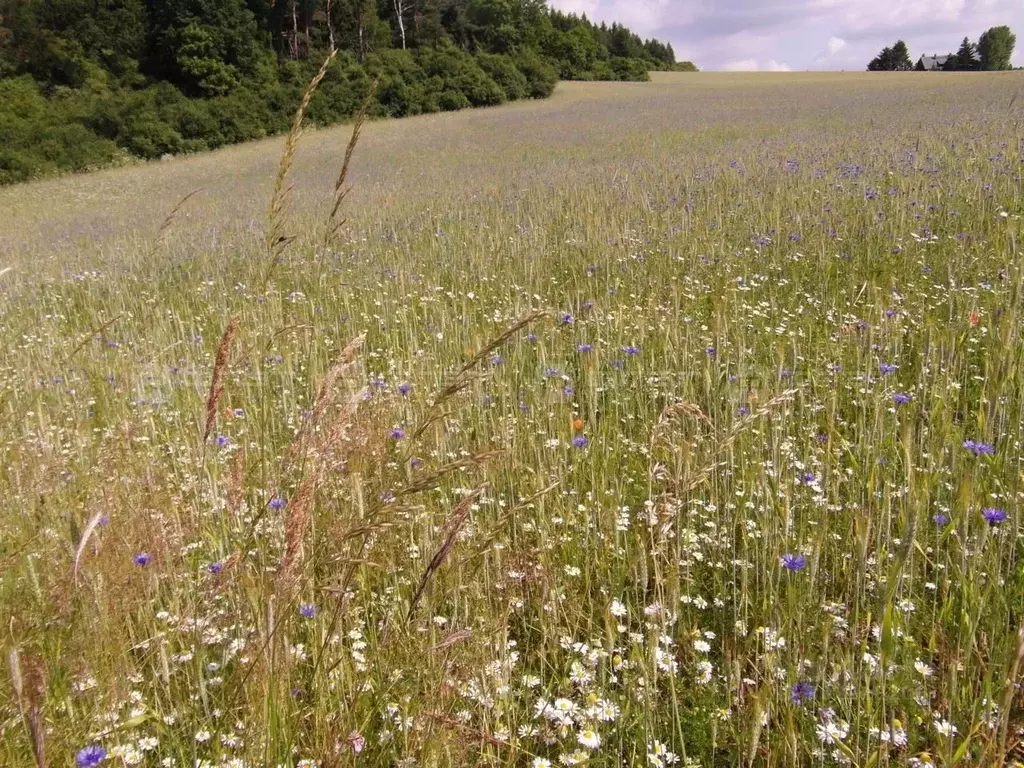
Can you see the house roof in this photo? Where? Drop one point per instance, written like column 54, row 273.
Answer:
column 935, row 61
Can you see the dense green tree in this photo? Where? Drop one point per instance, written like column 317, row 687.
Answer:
column 894, row 59
column 995, row 48
column 84, row 82
column 966, row 56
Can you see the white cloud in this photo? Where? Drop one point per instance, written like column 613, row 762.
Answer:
column 752, row 65
column 835, row 45
column 743, row 65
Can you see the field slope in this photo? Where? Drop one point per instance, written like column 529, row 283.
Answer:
column 655, row 423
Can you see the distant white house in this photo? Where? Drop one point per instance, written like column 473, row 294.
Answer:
column 933, row 62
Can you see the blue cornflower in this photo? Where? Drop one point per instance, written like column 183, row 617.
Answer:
column 584, row 348
column 497, row 360
column 886, row 368
column 415, row 462
column 900, row 398
column 307, row 610
column 404, row 388
column 397, row 433
column 793, row 562
column 979, row 448
column 215, row 567
column 743, row 410
column 580, row 441
column 223, row 441
column 277, row 504
column 807, row 478
column 142, row 558
column 567, row 318
column 631, row 350
column 994, row 516
column 711, row 352
column 92, row 755
column 552, row 373
column 531, row 337
column 801, row 692
column 569, row 391
column 940, row 519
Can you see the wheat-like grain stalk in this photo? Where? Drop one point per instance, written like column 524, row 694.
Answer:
column 340, row 190
column 451, row 529
column 276, row 241
column 220, row 364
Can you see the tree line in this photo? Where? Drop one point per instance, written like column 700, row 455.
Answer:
column 86, row 83
column 992, row 52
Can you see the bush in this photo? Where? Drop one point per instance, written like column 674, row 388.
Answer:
column 459, row 72
column 504, row 72
column 540, row 76
column 40, row 136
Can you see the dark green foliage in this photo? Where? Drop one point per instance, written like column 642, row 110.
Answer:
column 995, row 48
column 895, row 59
column 85, row 83
column 504, row 72
column 966, row 57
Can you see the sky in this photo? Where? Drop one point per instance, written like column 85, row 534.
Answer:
column 782, row 35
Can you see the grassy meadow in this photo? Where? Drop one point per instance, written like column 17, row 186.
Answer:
column 669, row 423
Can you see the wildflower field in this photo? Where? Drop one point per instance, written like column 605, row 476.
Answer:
column 674, row 423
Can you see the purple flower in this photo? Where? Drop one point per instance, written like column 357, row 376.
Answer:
column 801, row 692
column 142, row 559
column 743, row 410
column 552, row 373
column 886, row 368
column 979, row 448
column 397, row 433
column 580, row 441
column 793, row 562
column 711, row 352
column 92, row 755
column 994, row 516
column 307, row 610
column 940, row 519
column 584, row 348
column 497, row 360
column 531, row 337
column 631, row 350
column 215, row 567
column 807, row 478
column 569, row 391
column 567, row 319
column 900, row 398
column 277, row 504
column 405, row 388
column 415, row 463
column 223, row 441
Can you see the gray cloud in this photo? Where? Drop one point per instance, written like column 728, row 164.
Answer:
column 808, row 34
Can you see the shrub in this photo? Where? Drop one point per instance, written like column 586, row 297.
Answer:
column 504, row 72
column 540, row 76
